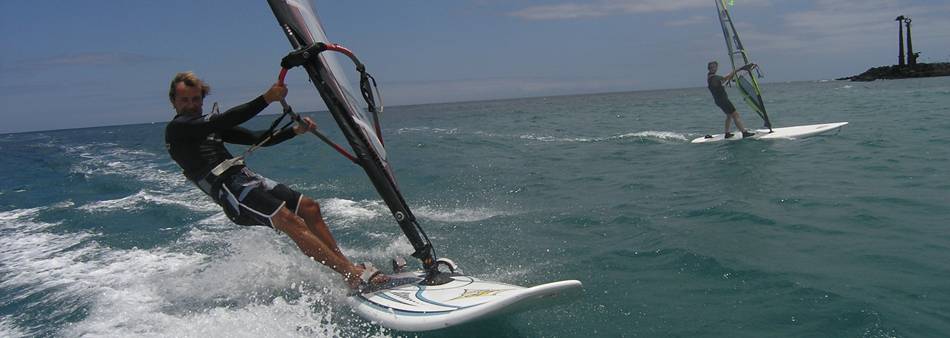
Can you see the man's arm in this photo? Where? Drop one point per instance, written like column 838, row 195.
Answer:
column 235, row 116
column 240, row 114
column 205, row 125
column 747, row 67
column 240, row 135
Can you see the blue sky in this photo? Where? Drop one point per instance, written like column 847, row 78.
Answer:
column 71, row 64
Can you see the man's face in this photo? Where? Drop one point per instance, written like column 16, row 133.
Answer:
column 713, row 68
column 188, row 100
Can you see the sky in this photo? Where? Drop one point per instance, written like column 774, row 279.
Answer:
column 74, row 64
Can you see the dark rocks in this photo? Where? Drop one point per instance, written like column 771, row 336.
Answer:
column 903, row 72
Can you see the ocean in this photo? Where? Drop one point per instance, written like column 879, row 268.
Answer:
column 838, row 235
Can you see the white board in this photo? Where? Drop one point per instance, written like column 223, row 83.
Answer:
column 795, row 132
column 415, row 307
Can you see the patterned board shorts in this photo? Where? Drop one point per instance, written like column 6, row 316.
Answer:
column 726, row 106
column 251, row 199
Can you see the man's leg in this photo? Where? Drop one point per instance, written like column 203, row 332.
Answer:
column 735, row 117
column 314, row 247
column 728, row 122
column 267, row 202
column 315, row 240
column 309, row 210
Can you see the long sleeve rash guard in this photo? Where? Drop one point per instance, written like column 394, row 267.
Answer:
column 196, row 143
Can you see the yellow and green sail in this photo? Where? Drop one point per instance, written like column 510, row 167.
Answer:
column 739, row 57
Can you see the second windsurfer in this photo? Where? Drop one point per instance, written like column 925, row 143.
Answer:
column 715, row 84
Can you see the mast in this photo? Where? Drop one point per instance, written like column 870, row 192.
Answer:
column 299, row 22
column 744, row 79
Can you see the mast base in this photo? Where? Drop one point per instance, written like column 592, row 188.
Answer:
column 434, row 276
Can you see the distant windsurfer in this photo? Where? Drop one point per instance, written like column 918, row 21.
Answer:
column 196, row 142
column 715, row 85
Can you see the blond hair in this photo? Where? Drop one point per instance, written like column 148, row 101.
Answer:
column 190, row 80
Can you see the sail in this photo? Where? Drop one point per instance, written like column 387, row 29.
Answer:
column 299, row 22
column 739, row 57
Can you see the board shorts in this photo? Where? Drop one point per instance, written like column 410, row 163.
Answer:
column 726, row 106
column 249, row 198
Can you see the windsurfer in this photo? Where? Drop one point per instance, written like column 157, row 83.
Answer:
column 715, row 85
column 196, row 142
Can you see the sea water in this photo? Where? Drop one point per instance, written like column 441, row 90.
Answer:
column 841, row 235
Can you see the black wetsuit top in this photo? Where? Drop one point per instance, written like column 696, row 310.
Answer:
column 197, row 142
column 714, row 83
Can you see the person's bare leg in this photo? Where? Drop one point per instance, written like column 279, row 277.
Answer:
column 314, row 247
column 735, row 118
column 309, row 210
column 728, row 123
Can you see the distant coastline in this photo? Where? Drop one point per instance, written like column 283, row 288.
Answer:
column 902, row 72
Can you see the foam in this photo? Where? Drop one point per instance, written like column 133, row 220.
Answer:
column 457, row 215
column 324, row 186
column 8, row 216
column 109, row 159
column 663, row 135
column 280, row 318
column 36, row 261
column 397, row 246
column 444, row 131
column 346, row 213
column 650, row 134
column 257, row 284
column 190, row 200
column 554, row 139
column 7, row 329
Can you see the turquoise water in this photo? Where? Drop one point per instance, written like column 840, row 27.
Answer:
column 837, row 235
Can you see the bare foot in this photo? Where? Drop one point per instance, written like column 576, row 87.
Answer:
column 354, row 281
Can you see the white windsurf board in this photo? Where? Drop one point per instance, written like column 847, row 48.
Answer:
column 411, row 306
column 795, row 132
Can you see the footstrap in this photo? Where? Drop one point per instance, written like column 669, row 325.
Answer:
column 369, row 271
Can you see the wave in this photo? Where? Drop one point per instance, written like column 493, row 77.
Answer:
column 380, row 254
column 8, row 218
column 643, row 135
column 323, row 186
column 457, row 215
column 248, row 280
column 543, row 138
column 445, row 131
column 7, row 328
column 349, row 212
column 346, row 213
column 38, row 263
column 108, row 159
column 659, row 135
column 193, row 200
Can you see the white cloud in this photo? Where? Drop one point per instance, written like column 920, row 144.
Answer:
column 500, row 88
column 849, row 25
column 82, row 59
column 556, row 12
column 693, row 20
column 612, row 7
column 840, row 27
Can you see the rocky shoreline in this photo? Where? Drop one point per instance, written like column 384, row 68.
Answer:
column 902, row 72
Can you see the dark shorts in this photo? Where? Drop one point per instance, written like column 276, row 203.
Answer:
column 251, row 199
column 726, row 107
